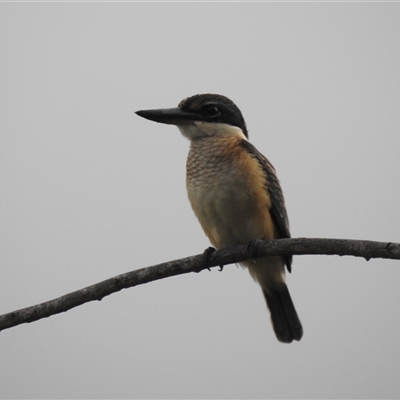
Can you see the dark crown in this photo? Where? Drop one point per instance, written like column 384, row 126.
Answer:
column 214, row 108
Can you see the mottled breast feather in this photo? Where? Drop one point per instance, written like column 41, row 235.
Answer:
column 273, row 187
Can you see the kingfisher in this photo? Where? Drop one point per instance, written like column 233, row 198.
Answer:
column 235, row 194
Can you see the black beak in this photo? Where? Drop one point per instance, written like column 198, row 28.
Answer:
column 171, row 116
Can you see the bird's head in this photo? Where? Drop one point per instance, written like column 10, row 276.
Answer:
column 202, row 115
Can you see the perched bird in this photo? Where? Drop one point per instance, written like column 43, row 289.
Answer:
column 235, row 194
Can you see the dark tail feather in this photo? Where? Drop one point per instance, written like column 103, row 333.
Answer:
column 286, row 323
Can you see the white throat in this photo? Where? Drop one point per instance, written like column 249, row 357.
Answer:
column 203, row 129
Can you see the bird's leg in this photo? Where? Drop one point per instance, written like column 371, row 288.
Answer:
column 253, row 246
column 207, row 256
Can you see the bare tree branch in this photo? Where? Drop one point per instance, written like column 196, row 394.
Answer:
column 299, row 246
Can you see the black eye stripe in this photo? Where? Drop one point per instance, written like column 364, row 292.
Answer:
column 212, row 111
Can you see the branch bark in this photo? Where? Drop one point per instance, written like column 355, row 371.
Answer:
column 299, row 246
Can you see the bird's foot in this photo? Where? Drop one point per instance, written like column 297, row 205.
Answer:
column 207, row 256
column 253, row 247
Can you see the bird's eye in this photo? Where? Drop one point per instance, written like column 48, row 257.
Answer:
column 212, row 111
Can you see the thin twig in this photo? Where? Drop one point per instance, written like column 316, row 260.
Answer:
column 299, row 246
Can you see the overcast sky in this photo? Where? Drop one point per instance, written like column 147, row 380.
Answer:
column 89, row 190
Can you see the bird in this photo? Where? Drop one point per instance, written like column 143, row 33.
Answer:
column 235, row 194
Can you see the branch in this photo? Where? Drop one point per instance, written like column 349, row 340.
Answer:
column 299, row 246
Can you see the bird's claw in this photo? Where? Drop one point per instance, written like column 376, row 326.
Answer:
column 207, row 255
column 253, row 246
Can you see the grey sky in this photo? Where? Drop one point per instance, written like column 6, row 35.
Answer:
column 89, row 190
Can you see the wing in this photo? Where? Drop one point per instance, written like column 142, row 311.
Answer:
column 273, row 187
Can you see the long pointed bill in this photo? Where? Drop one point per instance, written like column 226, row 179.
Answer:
column 171, row 116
